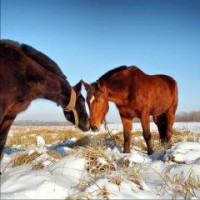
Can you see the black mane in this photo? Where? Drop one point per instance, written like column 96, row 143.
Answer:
column 108, row 74
column 42, row 59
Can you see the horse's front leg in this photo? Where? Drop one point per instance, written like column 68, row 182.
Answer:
column 127, row 126
column 4, row 128
column 145, row 121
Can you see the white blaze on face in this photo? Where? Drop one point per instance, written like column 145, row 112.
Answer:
column 91, row 100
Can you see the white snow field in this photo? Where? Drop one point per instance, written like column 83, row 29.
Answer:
column 170, row 174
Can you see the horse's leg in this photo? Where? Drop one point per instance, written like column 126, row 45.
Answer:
column 145, row 121
column 4, row 128
column 2, row 111
column 160, row 121
column 127, row 126
column 170, row 118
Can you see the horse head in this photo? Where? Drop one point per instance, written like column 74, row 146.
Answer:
column 97, row 101
column 75, row 111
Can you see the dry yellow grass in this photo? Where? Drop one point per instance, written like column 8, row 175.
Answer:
column 54, row 154
column 186, row 185
column 131, row 173
column 99, row 161
column 24, row 158
column 91, row 147
column 27, row 135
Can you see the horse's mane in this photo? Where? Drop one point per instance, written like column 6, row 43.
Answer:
column 10, row 42
column 36, row 55
column 42, row 59
column 108, row 74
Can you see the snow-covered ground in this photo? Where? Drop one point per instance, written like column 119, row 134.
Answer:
column 193, row 127
column 170, row 174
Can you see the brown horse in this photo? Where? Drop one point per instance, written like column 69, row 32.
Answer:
column 27, row 74
column 135, row 94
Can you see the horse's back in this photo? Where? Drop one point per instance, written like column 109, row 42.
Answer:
column 157, row 92
column 153, row 82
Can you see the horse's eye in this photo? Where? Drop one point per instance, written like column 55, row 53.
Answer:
column 98, row 100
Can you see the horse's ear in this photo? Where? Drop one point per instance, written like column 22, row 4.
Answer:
column 78, row 87
column 101, row 87
column 86, row 85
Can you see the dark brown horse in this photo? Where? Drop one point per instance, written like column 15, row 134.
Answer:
column 135, row 94
column 27, row 74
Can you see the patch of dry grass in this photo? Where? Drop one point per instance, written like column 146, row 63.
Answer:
column 99, row 161
column 185, row 136
column 177, row 185
column 24, row 158
column 27, row 136
column 131, row 173
column 104, row 193
column 54, row 154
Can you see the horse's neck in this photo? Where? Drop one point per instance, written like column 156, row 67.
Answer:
column 114, row 96
column 54, row 89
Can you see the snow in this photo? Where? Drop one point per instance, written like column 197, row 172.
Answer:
column 179, row 126
column 144, row 177
column 40, row 141
column 187, row 152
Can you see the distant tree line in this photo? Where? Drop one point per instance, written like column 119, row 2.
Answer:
column 193, row 116
column 40, row 123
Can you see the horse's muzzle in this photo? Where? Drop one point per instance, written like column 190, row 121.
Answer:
column 94, row 128
column 84, row 127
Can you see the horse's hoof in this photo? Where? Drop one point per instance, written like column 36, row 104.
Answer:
column 127, row 151
column 150, row 152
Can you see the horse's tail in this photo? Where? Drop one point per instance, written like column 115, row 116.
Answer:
column 175, row 97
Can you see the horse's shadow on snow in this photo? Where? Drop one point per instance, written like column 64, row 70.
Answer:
column 11, row 150
column 109, row 143
column 84, row 142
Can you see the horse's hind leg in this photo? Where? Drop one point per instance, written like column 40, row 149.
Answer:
column 146, row 131
column 160, row 121
column 165, row 123
column 170, row 118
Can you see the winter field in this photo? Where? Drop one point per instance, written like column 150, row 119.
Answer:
column 65, row 163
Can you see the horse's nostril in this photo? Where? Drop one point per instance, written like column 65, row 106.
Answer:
column 94, row 128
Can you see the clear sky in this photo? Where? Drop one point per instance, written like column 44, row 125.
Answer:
column 89, row 37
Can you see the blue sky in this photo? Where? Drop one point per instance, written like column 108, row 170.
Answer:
column 89, row 37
